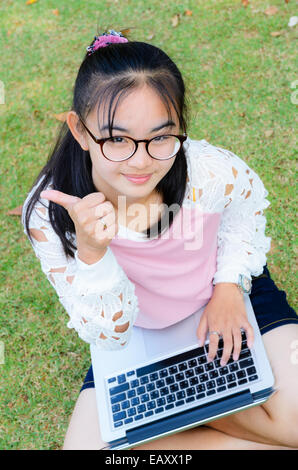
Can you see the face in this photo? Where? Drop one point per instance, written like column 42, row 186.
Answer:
column 139, row 112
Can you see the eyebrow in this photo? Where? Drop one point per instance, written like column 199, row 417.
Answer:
column 155, row 129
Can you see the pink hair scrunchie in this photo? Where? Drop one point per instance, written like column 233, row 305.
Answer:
column 105, row 39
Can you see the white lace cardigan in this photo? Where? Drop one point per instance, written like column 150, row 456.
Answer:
column 219, row 181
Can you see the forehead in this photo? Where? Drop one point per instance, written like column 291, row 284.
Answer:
column 140, row 108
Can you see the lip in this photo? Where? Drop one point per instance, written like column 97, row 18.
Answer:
column 138, row 178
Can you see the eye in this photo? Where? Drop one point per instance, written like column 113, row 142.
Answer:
column 116, row 140
column 161, row 138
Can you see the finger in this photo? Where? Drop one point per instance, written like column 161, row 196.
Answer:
column 108, row 219
column 227, row 349
column 64, row 200
column 93, row 199
column 249, row 334
column 103, row 209
column 202, row 330
column 213, row 345
column 237, row 343
column 105, row 234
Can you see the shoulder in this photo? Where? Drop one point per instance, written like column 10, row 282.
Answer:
column 214, row 173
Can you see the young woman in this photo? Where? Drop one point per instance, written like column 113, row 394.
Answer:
column 135, row 223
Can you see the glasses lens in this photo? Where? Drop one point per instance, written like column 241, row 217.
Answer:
column 118, row 148
column 164, row 146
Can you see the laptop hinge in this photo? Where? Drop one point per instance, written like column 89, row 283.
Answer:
column 187, row 417
column 263, row 393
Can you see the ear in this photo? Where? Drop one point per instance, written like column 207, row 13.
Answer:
column 72, row 120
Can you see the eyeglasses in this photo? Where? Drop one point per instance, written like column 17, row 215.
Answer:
column 119, row 148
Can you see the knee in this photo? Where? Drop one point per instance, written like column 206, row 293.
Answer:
column 285, row 421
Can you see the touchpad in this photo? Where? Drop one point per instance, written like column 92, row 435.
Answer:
column 170, row 339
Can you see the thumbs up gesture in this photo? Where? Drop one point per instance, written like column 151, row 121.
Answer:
column 94, row 219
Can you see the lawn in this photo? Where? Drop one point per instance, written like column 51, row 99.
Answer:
column 239, row 79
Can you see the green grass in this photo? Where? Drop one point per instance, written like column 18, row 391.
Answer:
column 238, row 79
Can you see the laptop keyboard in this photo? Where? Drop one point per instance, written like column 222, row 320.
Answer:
column 137, row 395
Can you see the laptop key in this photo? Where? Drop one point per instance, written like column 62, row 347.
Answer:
column 232, row 384
column 119, row 388
column 168, row 407
column 213, row 374
column 160, row 383
column 136, row 418
column 252, row 377
column 189, row 373
column 221, row 381
column 148, row 413
column 131, row 372
column 151, row 405
column 174, row 388
column 164, row 391
column 173, row 369
column 192, row 363
column 121, row 378
column 115, row 408
column 190, row 391
column 193, row 381
column 189, row 399
column 221, row 389
column 160, row 401
column 223, row 370
column 158, row 410
column 246, row 363
column 135, row 401
column 251, row 370
column 154, row 394
column 119, row 416
column 182, row 366
column 141, row 390
column 210, row 384
column 244, row 354
column 171, row 398
column 131, row 393
column 183, row 384
column 118, row 424
column 242, row 381
column 210, row 392
column 200, row 395
column 180, row 394
column 153, row 376
column 179, row 403
column 125, row 404
column 163, row 373
column 200, row 388
column 241, row 374
column 128, row 420
column 203, row 378
column 149, row 387
column 134, row 383
column 112, row 379
column 144, row 380
column 231, row 377
column 233, row 367
column 141, row 408
column 131, row 412
column 117, row 398
column 170, row 380
column 199, row 370
column 145, row 398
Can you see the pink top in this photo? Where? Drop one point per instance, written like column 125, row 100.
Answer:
column 172, row 275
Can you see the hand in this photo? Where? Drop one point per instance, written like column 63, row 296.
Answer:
column 225, row 313
column 85, row 213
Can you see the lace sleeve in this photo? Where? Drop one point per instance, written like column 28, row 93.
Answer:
column 242, row 243
column 99, row 298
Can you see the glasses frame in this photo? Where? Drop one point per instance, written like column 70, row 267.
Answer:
column 101, row 142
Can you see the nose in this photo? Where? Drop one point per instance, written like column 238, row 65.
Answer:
column 141, row 158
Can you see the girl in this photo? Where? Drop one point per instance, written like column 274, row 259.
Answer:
column 111, row 217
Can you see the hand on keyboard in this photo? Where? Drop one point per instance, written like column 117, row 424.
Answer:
column 225, row 313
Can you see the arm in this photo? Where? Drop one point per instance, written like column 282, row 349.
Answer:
column 96, row 293
column 242, row 243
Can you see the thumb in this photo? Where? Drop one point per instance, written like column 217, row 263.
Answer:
column 64, row 200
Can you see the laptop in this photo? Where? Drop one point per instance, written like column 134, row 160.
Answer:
column 161, row 382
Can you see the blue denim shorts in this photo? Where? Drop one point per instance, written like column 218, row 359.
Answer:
column 269, row 304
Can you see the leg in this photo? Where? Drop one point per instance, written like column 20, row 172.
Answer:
column 276, row 421
column 84, row 434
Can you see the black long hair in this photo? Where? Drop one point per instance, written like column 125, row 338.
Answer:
column 107, row 73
